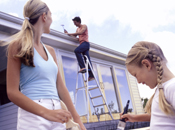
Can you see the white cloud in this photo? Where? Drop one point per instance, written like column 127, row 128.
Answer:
column 145, row 91
column 14, row 14
column 142, row 16
column 166, row 40
column 4, row 1
column 108, row 86
column 71, row 67
column 171, row 66
column 105, row 71
column 119, row 72
column 120, row 85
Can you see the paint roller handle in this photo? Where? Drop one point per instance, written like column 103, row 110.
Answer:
column 65, row 31
column 125, row 110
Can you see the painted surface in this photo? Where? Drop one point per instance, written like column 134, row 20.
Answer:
column 8, row 116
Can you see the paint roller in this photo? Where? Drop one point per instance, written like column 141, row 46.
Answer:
column 70, row 125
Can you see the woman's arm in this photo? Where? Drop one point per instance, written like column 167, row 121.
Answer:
column 136, row 118
column 64, row 93
column 13, row 78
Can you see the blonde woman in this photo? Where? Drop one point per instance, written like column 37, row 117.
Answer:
column 33, row 66
column 147, row 63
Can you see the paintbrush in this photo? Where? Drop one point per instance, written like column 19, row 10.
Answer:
column 70, row 125
column 122, row 122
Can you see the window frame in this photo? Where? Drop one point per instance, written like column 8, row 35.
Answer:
column 102, row 62
column 129, row 86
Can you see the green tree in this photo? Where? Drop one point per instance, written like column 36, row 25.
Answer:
column 144, row 100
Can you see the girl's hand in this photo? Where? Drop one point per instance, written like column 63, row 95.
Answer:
column 128, row 117
column 58, row 115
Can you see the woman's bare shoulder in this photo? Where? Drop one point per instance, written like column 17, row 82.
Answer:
column 13, row 49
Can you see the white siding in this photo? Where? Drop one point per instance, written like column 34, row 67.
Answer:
column 8, row 116
column 136, row 95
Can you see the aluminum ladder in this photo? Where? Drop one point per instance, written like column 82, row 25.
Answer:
column 87, row 90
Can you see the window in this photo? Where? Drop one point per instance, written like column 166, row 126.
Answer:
column 70, row 68
column 110, row 94
column 104, row 77
column 70, row 74
column 123, row 88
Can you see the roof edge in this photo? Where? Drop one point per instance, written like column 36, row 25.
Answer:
column 19, row 21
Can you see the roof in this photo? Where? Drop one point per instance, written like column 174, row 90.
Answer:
column 10, row 25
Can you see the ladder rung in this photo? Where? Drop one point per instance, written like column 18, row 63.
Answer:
column 100, row 105
column 84, row 115
column 96, row 97
column 93, row 88
column 106, row 113
column 80, row 88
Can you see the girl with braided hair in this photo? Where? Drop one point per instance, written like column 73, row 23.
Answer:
column 147, row 63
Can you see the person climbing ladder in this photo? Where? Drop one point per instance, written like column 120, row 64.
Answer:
column 83, row 48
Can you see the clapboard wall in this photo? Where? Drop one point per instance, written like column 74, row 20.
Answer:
column 136, row 95
column 8, row 116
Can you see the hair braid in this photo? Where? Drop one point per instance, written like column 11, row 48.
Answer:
column 163, row 104
column 148, row 50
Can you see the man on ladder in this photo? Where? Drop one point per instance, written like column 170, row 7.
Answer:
column 83, row 48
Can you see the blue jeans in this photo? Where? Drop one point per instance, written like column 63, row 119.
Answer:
column 83, row 48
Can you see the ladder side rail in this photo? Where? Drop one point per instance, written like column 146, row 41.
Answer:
column 87, row 63
column 85, row 98
column 77, row 88
column 86, row 87
column 91, row 69
column 75, row 100
column 94, row 107
column 99, row 87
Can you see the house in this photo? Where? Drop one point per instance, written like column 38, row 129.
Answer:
column 117, row 85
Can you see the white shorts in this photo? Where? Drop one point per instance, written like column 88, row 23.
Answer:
column 30, row 121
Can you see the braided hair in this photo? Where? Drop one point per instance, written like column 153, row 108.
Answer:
column 147, row 50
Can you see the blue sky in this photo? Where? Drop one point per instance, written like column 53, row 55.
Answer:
column 115, row 24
